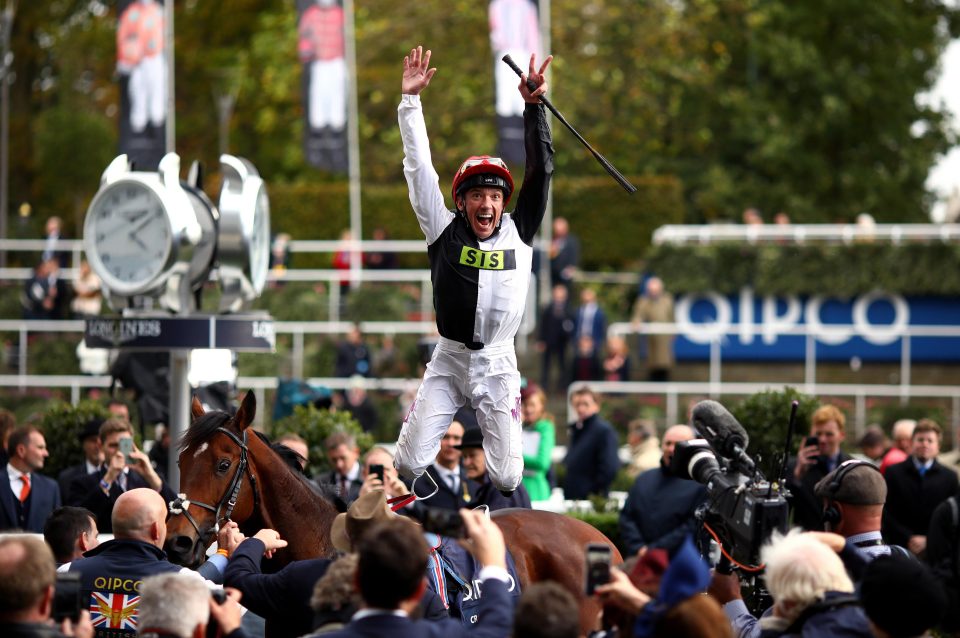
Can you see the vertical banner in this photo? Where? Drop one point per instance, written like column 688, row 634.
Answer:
column 142, row 67
column 320, row 46
column 514, row 29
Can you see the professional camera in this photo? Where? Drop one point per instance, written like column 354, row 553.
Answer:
column 742, row 509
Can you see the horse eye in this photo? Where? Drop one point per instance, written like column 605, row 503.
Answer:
column 223, row 466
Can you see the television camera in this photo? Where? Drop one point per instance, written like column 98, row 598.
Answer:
column 742, row 509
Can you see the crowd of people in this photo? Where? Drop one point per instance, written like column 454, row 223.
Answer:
column 873, row 551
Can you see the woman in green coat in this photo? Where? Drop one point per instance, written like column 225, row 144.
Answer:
column 539, row 437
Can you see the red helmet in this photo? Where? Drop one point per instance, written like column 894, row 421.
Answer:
column 483, row 171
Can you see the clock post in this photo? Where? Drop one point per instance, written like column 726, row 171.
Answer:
column 155, row 240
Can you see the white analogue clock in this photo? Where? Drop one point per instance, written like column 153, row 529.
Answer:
column 142, row 231
column 127, row 233
column 244, row 240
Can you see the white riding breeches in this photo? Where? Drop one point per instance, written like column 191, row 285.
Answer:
column 488, row 380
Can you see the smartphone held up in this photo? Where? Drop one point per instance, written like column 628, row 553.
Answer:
column 597, row 571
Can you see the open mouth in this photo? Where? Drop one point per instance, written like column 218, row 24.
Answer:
column 485, row 220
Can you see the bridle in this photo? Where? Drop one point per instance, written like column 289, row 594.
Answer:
column 228, row 501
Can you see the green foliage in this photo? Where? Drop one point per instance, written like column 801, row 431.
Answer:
column 62, row 424
column 62, row 135
column 607, row 522
column 614, row 228
column 54, row 354
column 377, row 302
column 886, row 415
column 845, row 271
column 765, row 416
column 315, row 426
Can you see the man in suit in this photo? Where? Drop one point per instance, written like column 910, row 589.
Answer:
column 814, row 462
column 344, row 456
column 591, row 320
column 564, row 254
column 454, row 489
column 390, row 579
column 92, row 460
column 556, row 330
column 99, row 492
column 915, row 488
column 27, row 497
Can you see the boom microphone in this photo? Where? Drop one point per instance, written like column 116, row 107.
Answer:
column 614, row 173
column 715, row 423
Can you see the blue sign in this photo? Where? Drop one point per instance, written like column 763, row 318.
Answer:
column 870, row 327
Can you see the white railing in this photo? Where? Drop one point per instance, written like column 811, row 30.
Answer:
column 801, row 233
column 300, row 329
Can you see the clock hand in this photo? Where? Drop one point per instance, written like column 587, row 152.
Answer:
column 137, row 216
column 140, row 227
column 142, row 245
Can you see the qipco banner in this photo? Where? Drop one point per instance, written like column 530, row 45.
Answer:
column 871, row 327
column 142, row 68
column 514, row 29
column 320, row 46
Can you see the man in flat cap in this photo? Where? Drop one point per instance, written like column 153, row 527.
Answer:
column 853, row 496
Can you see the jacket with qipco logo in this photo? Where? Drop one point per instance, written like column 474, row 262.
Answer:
column 479, row 287
column 110, row 579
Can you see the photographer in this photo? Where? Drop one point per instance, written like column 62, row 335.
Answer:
column 27, row 584
column 181, row 605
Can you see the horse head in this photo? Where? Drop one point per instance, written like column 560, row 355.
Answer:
column 217, row 480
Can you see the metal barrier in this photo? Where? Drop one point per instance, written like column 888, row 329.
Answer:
column 802, row 233
column 299, row 329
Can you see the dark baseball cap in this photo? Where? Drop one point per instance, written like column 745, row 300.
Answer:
column 861, row 485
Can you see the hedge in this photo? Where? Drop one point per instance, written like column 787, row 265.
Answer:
column 842, row 270
column 614, row 228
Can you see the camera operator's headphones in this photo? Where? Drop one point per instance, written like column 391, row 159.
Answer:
column 831, row 513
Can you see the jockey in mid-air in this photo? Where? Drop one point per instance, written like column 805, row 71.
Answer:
column 480, row 262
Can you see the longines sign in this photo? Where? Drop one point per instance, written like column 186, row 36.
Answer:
column 236, row 332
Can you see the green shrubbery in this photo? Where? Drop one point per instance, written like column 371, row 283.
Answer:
column 315, row 426
column 838, row 270
column 62, row 424
column 614, row 228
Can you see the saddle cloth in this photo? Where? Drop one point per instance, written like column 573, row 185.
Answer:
column 453, row 574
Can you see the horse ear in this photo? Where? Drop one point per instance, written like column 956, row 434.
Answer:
column 247, row 412
column 196, row 409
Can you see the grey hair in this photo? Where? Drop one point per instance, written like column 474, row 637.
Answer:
column 800, row 570
column 173, row 603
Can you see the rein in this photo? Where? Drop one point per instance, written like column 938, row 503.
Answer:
column 182, row 503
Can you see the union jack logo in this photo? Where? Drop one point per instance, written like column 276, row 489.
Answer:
column 114, row 611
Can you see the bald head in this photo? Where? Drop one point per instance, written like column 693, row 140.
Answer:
column 671, row 437
column 140, row 514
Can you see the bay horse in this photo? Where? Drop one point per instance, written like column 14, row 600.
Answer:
column 229, row 473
